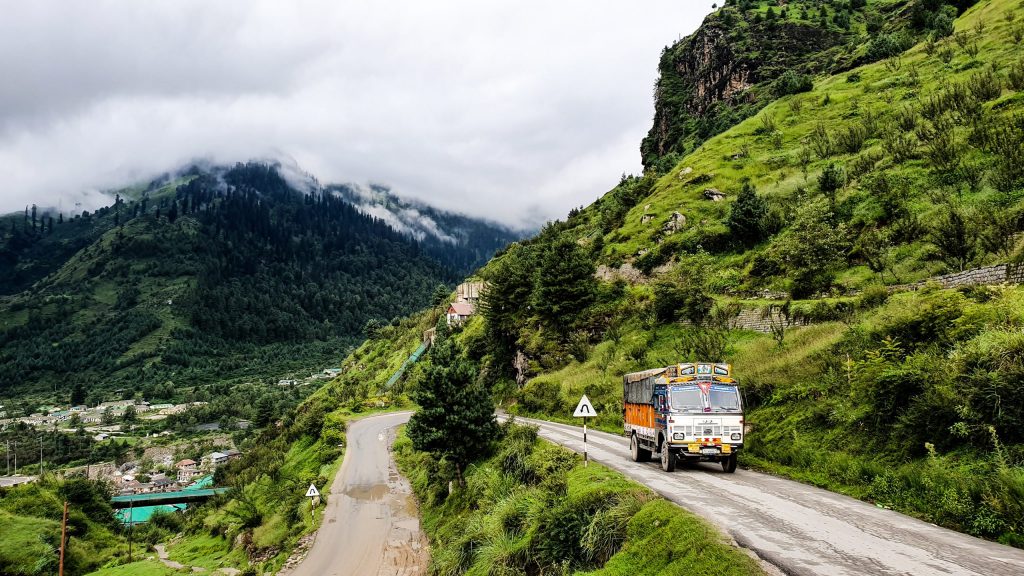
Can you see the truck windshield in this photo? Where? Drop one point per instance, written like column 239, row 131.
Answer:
column 687, row 399
column 724, row 399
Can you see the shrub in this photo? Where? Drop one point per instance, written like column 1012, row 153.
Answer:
column 851, row 139
column 541, row 397
column 906, row 118
column 869, row 120
column 985, row 85
column 682, row 297
column 792, row 82
column 887, row 45
column 1015, row 75
column 953, row 235
column 821, row 142
column 768, row 124
column 831, row 180
column 812, row 249
column 902, row 146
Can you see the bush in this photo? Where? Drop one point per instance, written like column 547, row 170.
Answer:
column 792, row 82
column 852, row 138
column 541, row 397
column 985, row 85
column 1015, row 75
column 887, row 45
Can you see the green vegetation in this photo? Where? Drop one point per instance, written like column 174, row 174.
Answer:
column 222, row 276
column 31, row 516
column 531, row 507
column 456, row 415
column 889, row 173
column 748, row 53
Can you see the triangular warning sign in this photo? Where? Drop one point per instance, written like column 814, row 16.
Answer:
column 312, row 492
column 584, row 409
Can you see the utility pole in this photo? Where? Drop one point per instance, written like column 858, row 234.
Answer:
column 8, row 454
column 15, row 457
column 63, row 536
column 40, row 457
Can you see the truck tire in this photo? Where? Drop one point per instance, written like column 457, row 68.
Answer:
column 668, row 458
column 729, row 464
column 639, row 454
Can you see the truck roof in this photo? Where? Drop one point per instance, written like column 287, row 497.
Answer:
column 685, row 369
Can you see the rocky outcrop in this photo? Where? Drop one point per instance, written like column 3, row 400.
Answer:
column 721, row 73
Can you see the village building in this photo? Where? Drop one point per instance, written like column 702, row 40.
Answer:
column 214, row 459
column 458, row 312
column 188, row 470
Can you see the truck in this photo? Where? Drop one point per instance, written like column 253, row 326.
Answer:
column 684, row 413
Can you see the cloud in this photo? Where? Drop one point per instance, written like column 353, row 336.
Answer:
column 509, row 110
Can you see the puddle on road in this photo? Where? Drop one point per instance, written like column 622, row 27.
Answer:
column 373, row 493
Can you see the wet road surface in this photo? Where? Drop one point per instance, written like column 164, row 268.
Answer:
column 370, row 527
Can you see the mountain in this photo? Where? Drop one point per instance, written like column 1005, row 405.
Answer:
column 748, row 53
column 854, row 247
column 217, row 273
column 458, row 241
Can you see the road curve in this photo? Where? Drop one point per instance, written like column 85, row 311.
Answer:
column 370, row 526
column 800, row 529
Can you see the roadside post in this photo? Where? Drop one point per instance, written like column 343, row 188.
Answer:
column 313, row 494
column 584, row 410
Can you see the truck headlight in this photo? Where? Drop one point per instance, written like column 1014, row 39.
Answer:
column 735, row 436
column 678, row 436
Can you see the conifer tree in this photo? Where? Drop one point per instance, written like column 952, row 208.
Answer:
column 456, row 416
column 565, row 285
column 747, row 216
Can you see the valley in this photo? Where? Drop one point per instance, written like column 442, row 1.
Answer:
column 831, row 203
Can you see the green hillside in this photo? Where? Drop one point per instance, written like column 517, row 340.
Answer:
column 221, row 275
column 815, row 214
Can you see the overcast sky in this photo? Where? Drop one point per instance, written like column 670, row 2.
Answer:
column 514, row 110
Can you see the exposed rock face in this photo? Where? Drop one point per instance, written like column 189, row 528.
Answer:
column 676, row 222
column 714, row 78
column 714, row 194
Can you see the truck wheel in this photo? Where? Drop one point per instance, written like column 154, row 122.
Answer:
column 639, row 454
column 668, row 458
column 729, row 464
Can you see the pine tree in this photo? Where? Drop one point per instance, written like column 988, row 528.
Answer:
column 565, row 285
column 747, row 216
column 506, row 301
column 456, row 416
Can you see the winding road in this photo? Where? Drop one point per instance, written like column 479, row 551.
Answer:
column 370, row 526
column 800, row 529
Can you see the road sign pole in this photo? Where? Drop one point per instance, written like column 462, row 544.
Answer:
column 584, row 442
column 585, row 410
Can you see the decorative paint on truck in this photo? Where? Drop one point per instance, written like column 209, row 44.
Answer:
column 688, row 412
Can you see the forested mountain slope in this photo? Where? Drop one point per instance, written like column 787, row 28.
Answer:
column 816, row 213
column 457, row 241
column 220, row 273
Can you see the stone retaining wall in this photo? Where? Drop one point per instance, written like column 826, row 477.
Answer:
column 989, row 275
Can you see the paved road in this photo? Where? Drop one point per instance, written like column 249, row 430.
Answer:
column 370, row 526
column 800, row 529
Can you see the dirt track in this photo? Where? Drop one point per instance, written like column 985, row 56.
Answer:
column 371, row 526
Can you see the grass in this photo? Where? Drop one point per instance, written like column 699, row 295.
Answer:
column 208, row 552
column 140, row 568
column 777, row 173
column 533, row 508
